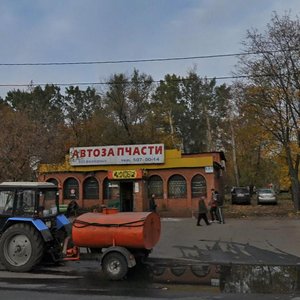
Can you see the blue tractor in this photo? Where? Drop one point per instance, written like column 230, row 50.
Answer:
column 31, row 226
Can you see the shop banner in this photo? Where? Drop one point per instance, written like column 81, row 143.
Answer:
column 117, row 155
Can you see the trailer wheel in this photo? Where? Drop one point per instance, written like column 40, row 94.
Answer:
column 115, row 266
column 21, row 248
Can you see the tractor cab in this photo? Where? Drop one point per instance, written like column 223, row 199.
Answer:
column 28, row 200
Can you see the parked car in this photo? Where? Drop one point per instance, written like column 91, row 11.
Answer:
column 266, row 196
column 240, row 195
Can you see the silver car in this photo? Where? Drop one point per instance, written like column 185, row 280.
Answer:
column 266, row 196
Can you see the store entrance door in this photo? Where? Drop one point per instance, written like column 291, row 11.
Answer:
column 126, row 193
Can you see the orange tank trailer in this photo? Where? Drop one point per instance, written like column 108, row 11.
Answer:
column 136, row 230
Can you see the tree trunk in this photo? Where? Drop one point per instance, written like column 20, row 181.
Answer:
column 295, row 190
column 294, row 171
column 171, row 128
column 209, row 137
column 234, row 159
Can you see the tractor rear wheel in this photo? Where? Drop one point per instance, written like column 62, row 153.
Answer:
column 21, row 248
column 115, row 266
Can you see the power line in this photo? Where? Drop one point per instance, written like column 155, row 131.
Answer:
column 147, row 60
column 120, row 61
column 138, row 61
column 129, row 82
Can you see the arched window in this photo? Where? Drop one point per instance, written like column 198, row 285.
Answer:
column 198, row 186
column 51, row 195
column 106, row 188
column 71, row 189
column 155, row 186
column 53, row 180
column 177, row 187
column 91, row 188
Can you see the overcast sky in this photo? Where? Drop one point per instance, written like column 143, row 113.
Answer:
column 35, row 31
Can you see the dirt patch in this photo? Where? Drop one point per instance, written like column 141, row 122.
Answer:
column 284, row 209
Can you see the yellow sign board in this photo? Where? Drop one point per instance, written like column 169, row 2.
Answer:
column 125, row 174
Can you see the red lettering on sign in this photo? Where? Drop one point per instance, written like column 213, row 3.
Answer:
column 103, row 152
column 136, row 151
column 75, row 154
column 89, row 152
column 96, row 152
column 143, row 150
column 128, row 150
column 120, row 151
column 151, row 148
column 82, row 153
column 159, row 149
column 111, row 152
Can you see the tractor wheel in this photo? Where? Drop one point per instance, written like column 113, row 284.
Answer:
column 21, row 248
column 114, row 266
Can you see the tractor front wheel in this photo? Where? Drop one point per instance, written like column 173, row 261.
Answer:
column 21, row 248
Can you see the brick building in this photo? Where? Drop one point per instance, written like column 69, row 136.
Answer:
column 126, row 176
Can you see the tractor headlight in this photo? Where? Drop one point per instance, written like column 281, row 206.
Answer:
column 48, row 224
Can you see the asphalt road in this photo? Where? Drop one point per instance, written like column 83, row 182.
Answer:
column 245, row 241
column 220, row 261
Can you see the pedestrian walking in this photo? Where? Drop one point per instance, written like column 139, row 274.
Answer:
column 152, row 204
column 213, row 207
column 202, row 212
column 72, row 209
column 219, row 201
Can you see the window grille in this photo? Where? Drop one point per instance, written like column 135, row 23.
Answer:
column 198, row 186
column 177, row 187
column 70, row 186
column 91, row 188
column 155, row 186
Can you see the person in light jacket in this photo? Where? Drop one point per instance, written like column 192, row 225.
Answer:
column 219, row 201
column 213, row 207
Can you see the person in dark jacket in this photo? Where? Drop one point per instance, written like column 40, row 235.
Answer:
column 152, row 204
column 202, row 212
column 72, row 209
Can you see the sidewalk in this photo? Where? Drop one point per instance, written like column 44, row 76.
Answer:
column 239, row 241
